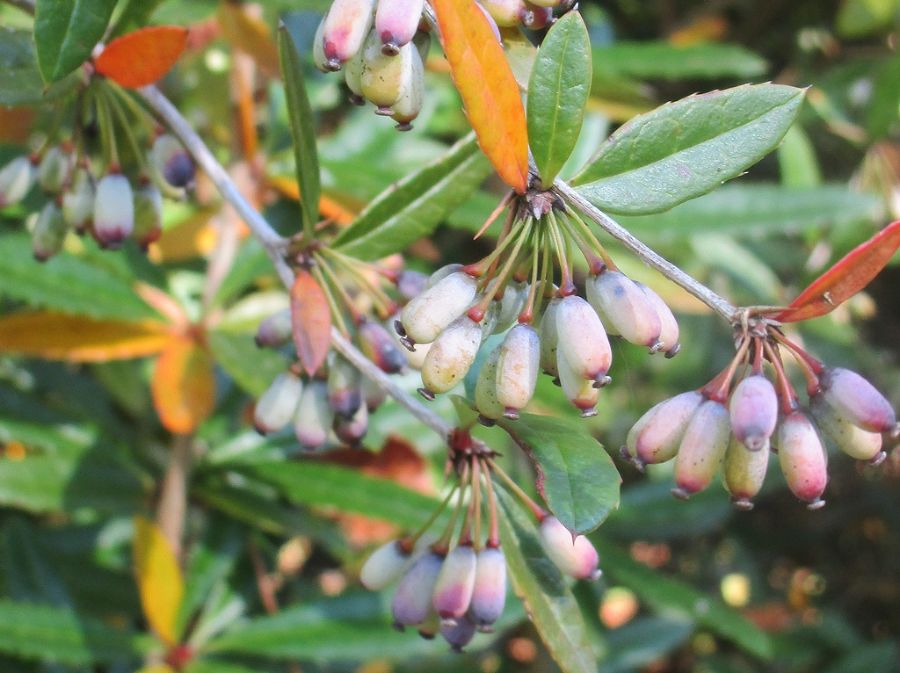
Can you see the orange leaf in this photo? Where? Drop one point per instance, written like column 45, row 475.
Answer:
column 159, row 579
column 58, row 336
column 142, row 57
column 846, row 277
column 311, row 321
column 249, row 34
column 487, row 87
column 183, row 385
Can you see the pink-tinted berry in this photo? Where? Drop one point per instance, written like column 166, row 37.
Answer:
column 113, row 210
column 430, row 313
column 744, row 472
column 581, row 392
column 489, row 592
column 275, row 330
column 385, row 565
column 574, row 557
column 517, row 369
column 345, row 28
column 803, row 459
column 753, row 411
column 455, row 583
column 396, row 22
column 624, row 308
column 669, row 332
column 451, row 355
column 413, row 599
column 702, row 448
column 459, row 633
column 278, row 404
column 351, row 430
column 582, row 339
column 851, row 439
column 657, row 434
column 857, row 400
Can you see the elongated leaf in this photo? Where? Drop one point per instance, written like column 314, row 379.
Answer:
column 303, row 128
column 663, row 60
column 687, row 148
column 574, row 474
column 183, row 385
column 252, row 368
column 675, row 597
column 58, row 336
column 65, row 32
column 311, row 321
column 142, row 57
column 539, row 584
column 55, row 634
column 220, row 666
column 29, row 572
column 415, row 206
column 250, row 34
column 558, row 91
column 159, row 578
column 846, row 277
column 20, row 77
column 487, row 87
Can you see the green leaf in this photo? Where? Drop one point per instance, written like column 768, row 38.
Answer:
column 539, row 584
column 858, row 18
column 574, row 473
column 757, row 210
column 252, row 368
column 65, row 32
column 220, row 666
column 303, row 128
column 672, row 596
column 643, row 641
column 663, row 60
column 416, row 205
column 53, row 634
column 797, row 160
column 20, row 78
column 28, row 571
column 558, row 91
column 685, row 149
column 66, row 283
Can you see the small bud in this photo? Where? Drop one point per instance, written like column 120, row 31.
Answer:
column 53, row 171
column 345, row 27
column 396, row 22
column 78, row 201
column 803, row 459
column 489, row 592
column 581, row 392
column 626, row 308
column 753, row 411
column 426, row 316
column 458, row 634
column 385, row 565
column 574, row 557
column 702, row 448
column 16, row 180
column 582, row 339
column 148, row 214
column 451, row 355
column 352, row 430
column 381, row 347
column 344, row 391
column 49, row 233
column 453, row 590
column 486, row 400
column 274, row 331
column 657, row 434
column 517, row 368
column 851, row 439
column 113, row 210
column 549, row 339
column 172, row 162
column 857, row 400
column 313, row 418
column 745, row 471
column 413, row 599
column 669, row 331
column 278, row 404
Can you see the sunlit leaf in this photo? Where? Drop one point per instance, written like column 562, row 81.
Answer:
column 183, row 385
column 159, row 579
column 65, row 32
column 846, row 277
column 250, row 35
column 142, row 57
column 487, row 87
column 311, row 319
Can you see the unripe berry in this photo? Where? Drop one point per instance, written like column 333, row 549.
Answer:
column 486, row 399
column 803, row 459
column 278, row 404
column 319, row 59
column 49, row 232
column 345, row 28
column 453, row 589
column 458, row 634
column 412, row 95
column 373, row 394
column 113, row 210
column 172, row 162
column 385, row 565
column 313, row 418
column 353, row 70
column 701, row 449
column 857, row 400
column 546, row 3
column 381, row 347
column 351, row 430
column 581, row 392
column 744, row 472
column 451, row 355
column 54, row 169
column 851, row 439
column 574, row 557
column 669, row 332
column 396, row 22
column 582, row 338
column 517, row 369
column 624, row 308
column 753, row 411
column 512, row 303
column 413, row 599
column 426, row 316
column 275, row 330
column 489, row 592
column 344, row 392
column 384, row 78
column 657, row 434
column 506, row 13
column 16, row 180
column 549, row 340
column 78, row 201
column 148, row 214
column 411, row 283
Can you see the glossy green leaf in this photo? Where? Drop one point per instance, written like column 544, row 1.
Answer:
column 663, row 60
column 252, row 368
column 66, row 31
column 575, row 475
column 539, row 584
column 303, row 128
column 20, row 78
column 558, row 91
column 673, row 596
column 415, row 206
column 685, row 149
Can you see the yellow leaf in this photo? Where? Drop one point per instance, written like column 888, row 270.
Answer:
column 183, row 385
column 159, row 579
column 249, row 34
column 157, row 668
column 58, row 336
column 192, row 238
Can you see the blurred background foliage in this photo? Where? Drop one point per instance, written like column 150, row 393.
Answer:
column 690, row 586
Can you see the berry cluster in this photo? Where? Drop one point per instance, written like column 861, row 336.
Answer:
column 456, row 585
column 737, row 426
column 553, row 328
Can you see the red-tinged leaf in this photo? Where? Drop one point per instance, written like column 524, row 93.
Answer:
column 311, row 320
column 846, row 277
column 487, row 86
column 142, row 57
column 183, row 385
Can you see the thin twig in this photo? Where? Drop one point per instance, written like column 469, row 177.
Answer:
column 172, row 507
